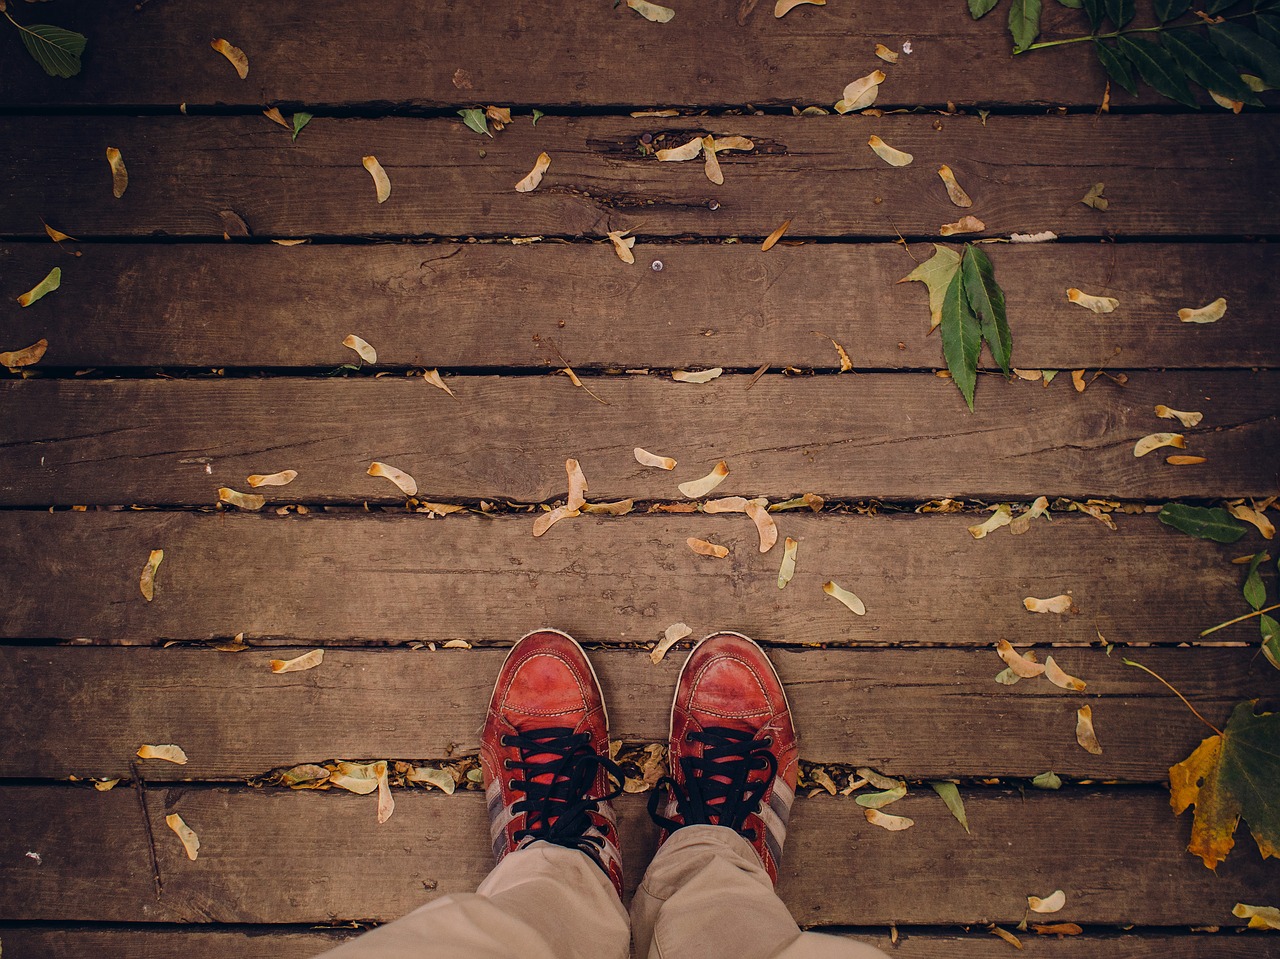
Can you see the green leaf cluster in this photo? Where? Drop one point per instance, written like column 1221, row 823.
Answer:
column 1255, row 594
column 56, row 49
column 973, row 312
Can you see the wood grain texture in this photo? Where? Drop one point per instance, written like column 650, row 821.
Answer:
column 386, row 579
column 396, row 55
column 272, row 856
column 203, row 176
column 919, row 714
column 480, row 305
column 199, row 942
column 892, row 436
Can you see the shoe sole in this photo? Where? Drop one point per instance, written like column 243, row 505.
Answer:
column 671, row 720
column 604, row 707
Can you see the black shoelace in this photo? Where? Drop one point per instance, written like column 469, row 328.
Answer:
column 557, row 809
column 716, row 789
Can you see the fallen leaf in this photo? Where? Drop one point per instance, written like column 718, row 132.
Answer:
column 651, row 11
column 1155, row 441
column 772, row 239
column 1186, row 419
column 534, row 177
column 788, row 568
column 381, row 182
column 433, row 377
column 1043, row 237
column 548, row 519
column 299, row 121
column 275, row 116
column 57, row 236
column 403, row 481
column 305, row 776
column 1235, row 106
column 1185, row 460
column 1055, row 604
column 1052, row 903
column 645, row 458
column 879, row 800
column 886, row 821
column 577, row 484
column 536, row 115
column 765, row 525
column 456, row 644
column 306, row 661
column 441, row 779
column 386, row 804
column 1085, row 735
column 105, row 785
column 1048, row 376
column 702, row 376
column 811, row 501
column 1077, row 380
column 823, row 779
column 1211, row 313
column 1260, row 917
column 703, row 548
column 47, row 285
column 475, row 120
column 783, row 7
column 1207, row 523
column 237, row 56
column 1098, row 304
column 1008, row 937
column 26, row 356
column 1056, row 675
column 1047, row 781
column 148, row 581
column 891, row 156
column 367, row 352
column 695, row 489
column 1007, row 677
column 501, row 116
column 237, row 645
column 843, row 595
column 885, row 54
column 966, row 224
column 1021, row 523
column 359, row 778
column 168, row 752
column 622, row 245
column 119, row 175
column 846, row 364
column 1024, row 667
column 950, row 794
column 620, row 508
column 1256, row 517
column 685, row 152
column 673, row 634
column 936, row 273
column 1094, row 197
column 190, row 841
column 1056, row 929
column 1003, row 516
column 712, row 165
column 858, row 95
column 954, row 190
column 283, row 478
column 249, row 501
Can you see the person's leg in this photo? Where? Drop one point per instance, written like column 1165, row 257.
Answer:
column 555, row 893
column 733, row 754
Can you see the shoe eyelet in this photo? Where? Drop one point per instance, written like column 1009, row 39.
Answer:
column 506, row 764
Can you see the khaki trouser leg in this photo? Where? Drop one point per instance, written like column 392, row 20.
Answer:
column 541, row 902
column 706, row 895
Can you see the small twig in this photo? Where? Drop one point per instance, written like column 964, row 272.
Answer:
column 1239, row 619
column 573, row 377
column 764, row 367
column 1130, row 662
column 141, row 792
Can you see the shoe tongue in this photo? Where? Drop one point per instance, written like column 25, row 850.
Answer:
column 728, row 690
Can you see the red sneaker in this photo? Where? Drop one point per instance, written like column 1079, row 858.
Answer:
column 733, row 748
column 544, row 754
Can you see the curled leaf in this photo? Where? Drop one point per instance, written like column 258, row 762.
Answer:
column 234, row 54
column 1260, row 917
column 765, row 525
column 1056, row 675
column 954, row 190
column 701, row 376
column 367, row 352
column 57, row 236
column 1098, row 304
column 686, row 151
column 1002, row 516
column 652, row 11
column 1085, row 734
column 548, row 519
column 168, row 752
column 283, row 478
column 703, row 548
column 783, row 7
column 844, row 596
column 1188, row 420
column 1077, row 380
column 772, row 239
column 381, row 182
column 788, row 568
column 846, row 364
column 889, row 155
column 1056, row 604
column 1052, row 903
column 531, row 180
column 1211, row 313
column 674, row 633
column 119, row 175
column 147, row 583
column 50, row 283
column 622, row 245
column 1094, row 197
column 1155, row 441
column 190, row 841
column 861, row 93
column 886, row 821
column 26, row 356
column 966, row 224
column 296, row 665
column 645, row 458
column 701, row 487
column 249, row 501
column 1024, row 667
column 403, row 481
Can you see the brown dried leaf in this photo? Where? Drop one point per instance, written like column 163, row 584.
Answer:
column 1077, row 380
column 403, row 481
column 1155, row 441
column 788, row 568
column 885, row 54
column 381, row 182
column 275, row 116
column 1055, row 674
column 1094, row 197
column 858, row 95
column 841, row 594
column 702, row 376
column 966, row 224
column 119, row 175
column 1185, row 460
column 1085, row 734
column 1008, row 937
column 57, row 236
column 846, row 364
column 296, row 665
column 249, row 501
column 674, row 633
column 190, row 841
column 1098, row 304
column 290, row 242
column 548, row 519
column 695, row 489
column 772, row 239
column 645, row 458
column 886, row 821
column 1205, row 314
column 895, row 158
column 703, row 548
column 954, row 190
column 1023, row 666
column 1056, row 929
column 765, row 525
column 1260, row 917
column 283, row 478
column 367, row 353
column 233, row 53
column 531, row 180
column 783, row 7
column 148, row 581
column 685, row 152
column 1056, row 604
column 652, row 11
column 168, row 752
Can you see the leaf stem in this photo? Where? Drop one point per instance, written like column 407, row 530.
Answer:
column 1130, row 662
column 1045, row 44
column 1239, row 619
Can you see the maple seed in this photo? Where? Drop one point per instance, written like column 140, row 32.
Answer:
column 298, row 663
column 550, row 518
column 148, row 581
column 367, row 352
column 1053, row 903
column 886, row 821
column 645, row 458
column 386, row 804
column 893, row 157
column 26, row 356
column 1024, row 667
column 1186, row 419
column 1257, row 518
column 1085, row 735
column 712, row 167
column 168, row 752
column 283, row 478
column 119, row 175
column 703, row 548
column 1260, row 917
column 783, row 7
column 954, row 190
column 534, row 177
column 861, row 93
column 885, row 54
column 966, row 224
column 577, row 485
column 702, row 376
column 403, row 481
column 1003, row 516
column 1055, row 674
column 622, row 245
column 1098, row 304
column 381, row 182
column 686, row 152
column 674, row 633
column 788, row 568
column 1058, row 604
column 47, row 285
column 772, row 239
column 651, row 11
column 855, row 605
column 765, row 525
column 1206, row 314
column 249, row 501
column 233, row 53
column 1185, row 460
column 701, row 487
column 190, row 841
column 728, row 504
column 1155, row 441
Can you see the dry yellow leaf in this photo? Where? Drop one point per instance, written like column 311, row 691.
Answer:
column 703, row 548
column 119, row 175
column 367, row 352
column 645, row 458
column 887, row 821
column 702, row 376
column 685, row 152
column 966, row 224
column 1185, row 460
column 1098, row 304
column 727, row 504
column 772, row 239
column 577, row 484
column 233, row 53
column 620, row 508
column 386, row 804
column 1260, row 917
column 765, row 525
column 783, row 7
column 788, row 568
column 885, row 54
column 674, row 633
column 1055, row 604
column 534, row 176
column 954, row 190
column 1077, row 380
column 442, row 779
column 1186, row 419
column 844, row 596
column 701, row 487
column 1008, row 937
column 148, row 581
column 381, row 182
column 1056, row 675
column 359, row 778
column 1155, row 441
column 1257, row 517
column 1022, row 522
column 734, row 143
column 1024, row 666
column 1002, row 516
column 548, row 519
column 296, row 665
column 275, row 116
column 283, row 478
column 403, row 481
column 190, row 841
column 652, row 11
column 712, row 166
column 1211, row 313
column 861, row 93
column 501, row 116
column 622, row 245
column 433, row 377
column 249, row 501
column 25, row 356
column 168, row 752
column 891, row 156
column 1085, row 735
column 57, row 236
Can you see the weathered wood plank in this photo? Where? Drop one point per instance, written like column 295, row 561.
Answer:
column 281, row 856
column 86, row 942
column 920, row 714
column 893, row 436
column 406, row 578
column 203, row 176
column 447, row 54
column 711, row 305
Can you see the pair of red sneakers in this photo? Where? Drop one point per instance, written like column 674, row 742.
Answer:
column 544, row 751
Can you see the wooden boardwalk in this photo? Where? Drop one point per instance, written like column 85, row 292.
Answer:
column 187, row 351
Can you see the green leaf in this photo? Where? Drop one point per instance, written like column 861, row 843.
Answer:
column 475, row 119
column 1158, row 68
column 1269, row 28
column 1167, row 10
column 961, row 338
column 1047, row 781
column 1214, row 7
column 1255, row 590
column 1024, row 23
column 1203, row 64
column 986, row 299
column 1120, row 12
column 1215, row 524
column 951, row 796
column 55, row 49
column 980, row 8
column 1248, row 51
column 1094, row 9
column 1270, row 640
column 1073, row 4
column 537, row 115
column 1117, row 67
column 936, row 273
column 300, row 120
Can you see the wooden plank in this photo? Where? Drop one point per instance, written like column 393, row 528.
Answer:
column 120, row 305
column 396, row 56
column 281, row 856
column 892, row 436
column 83, row 942
column 919, row 714
column 403, row 578
column 203, row 176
